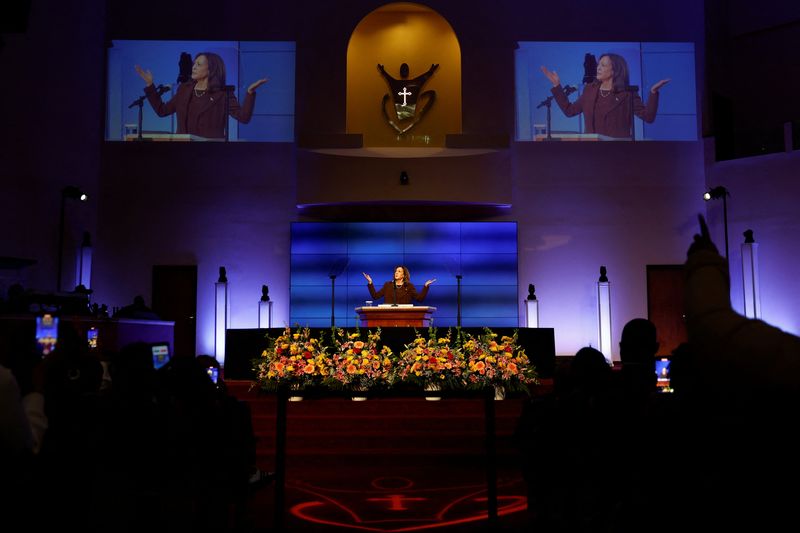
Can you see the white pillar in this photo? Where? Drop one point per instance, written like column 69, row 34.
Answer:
column 532, row 313
column 220, row 319
column 604, row 318
column 752, row 293
column 264, row 314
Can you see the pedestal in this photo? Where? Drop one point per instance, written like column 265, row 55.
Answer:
column 752, row 291
column 604, row 318
column 264, row 314
column 532, row 313
column 220, row 319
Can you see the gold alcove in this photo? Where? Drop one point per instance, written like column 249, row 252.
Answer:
column 397, row 33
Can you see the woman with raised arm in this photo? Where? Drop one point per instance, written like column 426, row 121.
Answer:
column 605, row 102
column 400, row 290
column 200, row 103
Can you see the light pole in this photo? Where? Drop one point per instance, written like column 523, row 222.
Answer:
column 70, row 191
column 715, row 194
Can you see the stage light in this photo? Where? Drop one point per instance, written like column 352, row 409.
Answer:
column 715, row 194
column 73, row 193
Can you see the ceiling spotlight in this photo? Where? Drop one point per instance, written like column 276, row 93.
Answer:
column 404, row 178
column 716, row 193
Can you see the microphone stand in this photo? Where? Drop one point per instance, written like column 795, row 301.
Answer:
column 139, row 102
column 333, row 300
column 544, row 103
column 336, row 269
column 547, row 102
column 458, row 297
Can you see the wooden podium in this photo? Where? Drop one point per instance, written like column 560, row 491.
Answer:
column 170, row 137
column 400, row 316
column 571, row 137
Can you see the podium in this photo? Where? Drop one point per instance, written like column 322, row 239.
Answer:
column 578, row 137
column 399, row 316
column 171, row 137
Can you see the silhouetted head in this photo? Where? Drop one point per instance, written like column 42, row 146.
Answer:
column 638, row 344
column 589, row 367
column 138, row 300
column 404, row 70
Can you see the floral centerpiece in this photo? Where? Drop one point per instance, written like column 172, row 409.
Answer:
column 431, row 361
column 496, row 362
column 359, row 364
column 295, row 359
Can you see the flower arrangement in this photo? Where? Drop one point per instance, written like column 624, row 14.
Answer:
column 358, row 364
column 361, row 363
column 296, row 359
column 431, row 361
column 491, row 361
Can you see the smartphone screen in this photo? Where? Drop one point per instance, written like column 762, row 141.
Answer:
column 91, row 337
column 46, row 333
column 160, row 355
column 662, row 375
column 213, row 373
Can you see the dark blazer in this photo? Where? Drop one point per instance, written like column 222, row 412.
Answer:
column 405, row 293
column 616, row 121
column 204, row 116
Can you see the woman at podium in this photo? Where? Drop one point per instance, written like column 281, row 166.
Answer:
column 606, row 102
column 201, row 103
column 400, row 290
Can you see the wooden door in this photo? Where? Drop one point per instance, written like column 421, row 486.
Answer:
column 665, row 305
column 175, row 298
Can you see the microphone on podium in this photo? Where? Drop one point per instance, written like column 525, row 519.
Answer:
column 394, row 286
column 161, row 89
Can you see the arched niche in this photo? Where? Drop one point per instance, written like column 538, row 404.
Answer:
column 397, row 33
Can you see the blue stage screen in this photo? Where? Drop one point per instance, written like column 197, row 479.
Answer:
column 245, row 62
column 483, row 253
column 647, row 63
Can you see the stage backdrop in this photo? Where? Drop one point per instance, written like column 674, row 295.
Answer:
column 484, row 254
